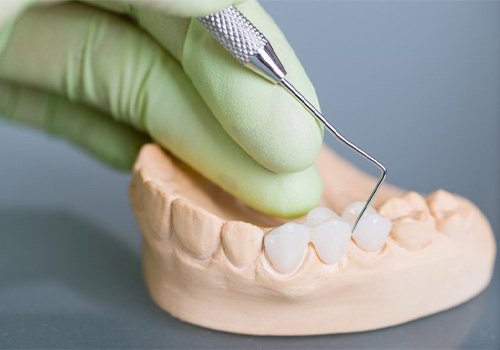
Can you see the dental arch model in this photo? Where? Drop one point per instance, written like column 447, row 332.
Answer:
column 219, row 264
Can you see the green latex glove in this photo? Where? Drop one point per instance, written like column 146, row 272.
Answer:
column 105, row 75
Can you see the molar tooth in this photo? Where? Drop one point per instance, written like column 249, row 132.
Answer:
column 371, row 233
column 416, row 201
column 197, row 229
column 441, row 202
column 330, row 240
column 456, row 224
column 406, row 205
column 453, row 214
column 319, row 215
column 350, row 214
column 414, row 232
column 242, row 242
column 286, row 244
column 414, row 227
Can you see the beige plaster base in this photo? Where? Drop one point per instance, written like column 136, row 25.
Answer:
column 204, row 263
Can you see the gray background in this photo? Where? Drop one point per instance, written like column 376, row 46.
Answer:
column 417, row 83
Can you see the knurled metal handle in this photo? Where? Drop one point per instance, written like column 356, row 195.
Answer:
column 235, row 32
column 245, row 42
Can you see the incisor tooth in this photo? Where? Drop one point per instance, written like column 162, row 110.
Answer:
column 350, row 214
column 285, row 246
column 372, row 232
column 242, row 242
column 319, row 215
column 330, row 240
column 197, row 229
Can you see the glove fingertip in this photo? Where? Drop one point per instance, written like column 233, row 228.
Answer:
column 291, row 196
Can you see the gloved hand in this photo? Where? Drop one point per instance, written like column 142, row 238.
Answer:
column 104, row 75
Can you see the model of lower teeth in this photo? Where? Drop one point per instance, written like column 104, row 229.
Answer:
column 210, row 261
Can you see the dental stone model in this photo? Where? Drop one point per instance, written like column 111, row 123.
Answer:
column 211, row 261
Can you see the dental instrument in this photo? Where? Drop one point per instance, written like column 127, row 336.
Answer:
column 250, row 47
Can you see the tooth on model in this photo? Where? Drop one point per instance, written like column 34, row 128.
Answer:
column 285, row 246
column 413, row 225
column 330, row 239
column 414, row 232
column 156, row 211
column 319, row 215
column 350, row 214
column 403, row 206
column 372, row 230
column 188, row 221
column 452, row 213
column 242, row 242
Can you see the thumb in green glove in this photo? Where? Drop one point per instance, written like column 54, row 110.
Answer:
column 103, row 82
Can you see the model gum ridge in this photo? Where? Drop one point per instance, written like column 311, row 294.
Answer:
column 210, row 260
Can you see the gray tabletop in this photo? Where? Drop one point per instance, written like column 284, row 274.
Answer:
column 418, row 83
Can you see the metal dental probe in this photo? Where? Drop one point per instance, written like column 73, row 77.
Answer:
column 250, row 47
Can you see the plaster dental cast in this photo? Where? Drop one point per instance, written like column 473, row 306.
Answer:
column 246, row 219
column 212, row 261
